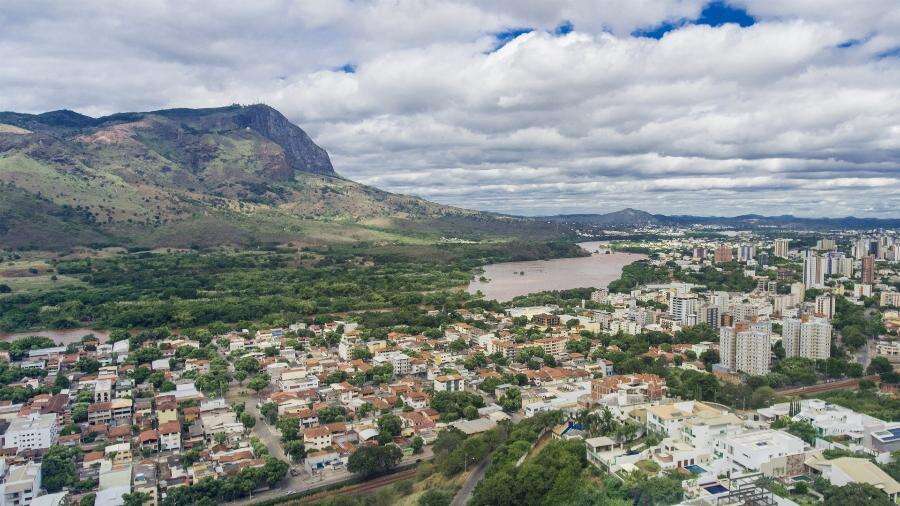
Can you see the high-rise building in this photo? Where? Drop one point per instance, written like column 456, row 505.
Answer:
column 813, row 270
column 862, row 248
column 723, row 254
column 808, row 338
column 746, row 252
column 699, row 253
column 825, row 244
column 710, row 316
column 868, row 270
column 782, row 246
column 684, row 308
column 748, row 351
column 836, row 264
column 825, row 306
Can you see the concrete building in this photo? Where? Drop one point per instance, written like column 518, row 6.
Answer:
column 724, row 254
column 809, row 338
column 32, row 432
column 21, row 483
column 398, row 359
column 449, row 383
column 751, row 451
column 813, row 270
column 782, row 246
column 867, row 273
column 748, row 351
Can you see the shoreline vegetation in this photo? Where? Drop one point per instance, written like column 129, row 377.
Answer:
column 187, row 288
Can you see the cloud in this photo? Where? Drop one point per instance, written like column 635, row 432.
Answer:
column 797, row 111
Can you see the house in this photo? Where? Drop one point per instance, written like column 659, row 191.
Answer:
column 449, row 383
column 317, row 438
column 170, row 436
column 845, row 470
column 149, row 440
column 768, row 451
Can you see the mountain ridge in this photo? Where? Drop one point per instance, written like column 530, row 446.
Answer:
column 628, row 218
column 176, row 177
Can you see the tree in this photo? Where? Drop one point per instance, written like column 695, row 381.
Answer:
column 88, row 365
column 58, row 468
column 389, row 427
column 511, row 400
column 880, row 365
column 5, row 289
column 762, row 397
column 259, row 382
column 289, row 427
column 373, row 460
column 136, row 499
column 248, row 365
column 657, row 490
column 80, row 412
column 270, row 411
column 248, row 420
column 857, row 493
column 804, row 430
column 417, row 445
column 295, row 449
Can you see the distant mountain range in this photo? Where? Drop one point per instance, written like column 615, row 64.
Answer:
column 632, row 218
column 231, row 175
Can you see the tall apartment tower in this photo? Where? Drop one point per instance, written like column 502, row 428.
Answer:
column 684, row 307
column 862, row 248
column 813, row 270
column 807, row 338
column 782, row 246
column 748, row 351
column 826, row 244
column 723, row 254
column 825, row 306
column 746, row 252
column 868, row 270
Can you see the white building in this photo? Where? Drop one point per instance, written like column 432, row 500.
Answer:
column 32, row 432
column 813, row 270
column 747, row 351
column 782, row 246
column 807, row 338
column 684, row 306
column 398, row 359
column 752, row 450
column 21, row 483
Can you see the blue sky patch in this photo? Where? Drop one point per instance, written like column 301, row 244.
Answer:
column 347, row 68
column 506, row 36
column 715, row 13
column 563, row 28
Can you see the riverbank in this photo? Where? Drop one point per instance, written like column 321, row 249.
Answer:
column 505, row 281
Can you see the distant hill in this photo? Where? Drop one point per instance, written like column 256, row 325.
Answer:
column 230, row 175
column 631, row 218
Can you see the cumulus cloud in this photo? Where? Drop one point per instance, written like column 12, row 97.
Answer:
column 489, row 105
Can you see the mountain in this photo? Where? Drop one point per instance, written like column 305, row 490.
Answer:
column 632, row 218
column 625, row 218
column 230, row 175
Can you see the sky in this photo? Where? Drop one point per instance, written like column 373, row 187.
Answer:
column 529, row 107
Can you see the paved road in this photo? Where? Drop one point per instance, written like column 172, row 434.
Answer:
column 464, row 494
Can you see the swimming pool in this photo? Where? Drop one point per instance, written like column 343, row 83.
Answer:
column 694, row 468
column 715, row 488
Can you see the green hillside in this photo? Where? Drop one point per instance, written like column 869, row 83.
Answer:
column 237, row 175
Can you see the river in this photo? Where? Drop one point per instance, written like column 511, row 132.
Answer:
column 511, row 279
column 61, row 337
